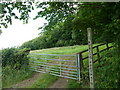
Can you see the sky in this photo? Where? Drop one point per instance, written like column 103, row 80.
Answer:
column 18, row 33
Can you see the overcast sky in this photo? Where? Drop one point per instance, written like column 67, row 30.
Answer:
column 18, row 33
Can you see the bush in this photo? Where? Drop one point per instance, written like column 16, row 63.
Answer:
column 108, row 74
column 14, row 66
column 15, row 57
column 11, row 76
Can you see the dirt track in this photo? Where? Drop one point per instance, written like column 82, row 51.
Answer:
column 60, row 83
column 28, row 82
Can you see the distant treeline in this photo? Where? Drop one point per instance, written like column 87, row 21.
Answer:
column 67, row 24
column 60, row 37
column 55, row 38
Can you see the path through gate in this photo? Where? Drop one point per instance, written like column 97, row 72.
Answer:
column 67, row 66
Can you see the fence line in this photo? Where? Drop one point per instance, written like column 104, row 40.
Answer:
column 59, row 67
column 98, row 51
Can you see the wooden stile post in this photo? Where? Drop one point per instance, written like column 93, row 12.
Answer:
column 90, row 50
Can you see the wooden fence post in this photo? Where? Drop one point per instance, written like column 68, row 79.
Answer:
column 90, row 57
column 107, row 46
column 98, row 53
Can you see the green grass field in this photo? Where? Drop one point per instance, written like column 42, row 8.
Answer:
column 69, row 50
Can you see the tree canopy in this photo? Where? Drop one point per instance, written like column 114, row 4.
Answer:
column 9, row 9
column 67, row 21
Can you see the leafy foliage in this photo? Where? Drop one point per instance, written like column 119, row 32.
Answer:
column 67, row 21
column 14, row 65
column 103, row 18
column 56, row 37
column 107, row 74
column 12, row 76
column 15, row 57
column 10, row 10
column 73, row 84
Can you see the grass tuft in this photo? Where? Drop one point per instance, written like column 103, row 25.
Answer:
column 12, row 76
column 44, row 81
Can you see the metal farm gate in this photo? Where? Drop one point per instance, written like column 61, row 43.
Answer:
column 67, row 66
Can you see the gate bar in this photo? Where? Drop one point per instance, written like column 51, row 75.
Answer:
column 51, row 54
column 78, row 64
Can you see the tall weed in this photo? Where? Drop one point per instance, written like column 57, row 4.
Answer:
column 12, row 76
column 107, row 75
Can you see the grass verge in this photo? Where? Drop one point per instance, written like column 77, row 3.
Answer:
column 73, row 84
column 107, row 75
column 44, row 81
column 12, row 76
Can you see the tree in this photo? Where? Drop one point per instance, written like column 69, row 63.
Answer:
column 103, row 18
column 8, row 12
